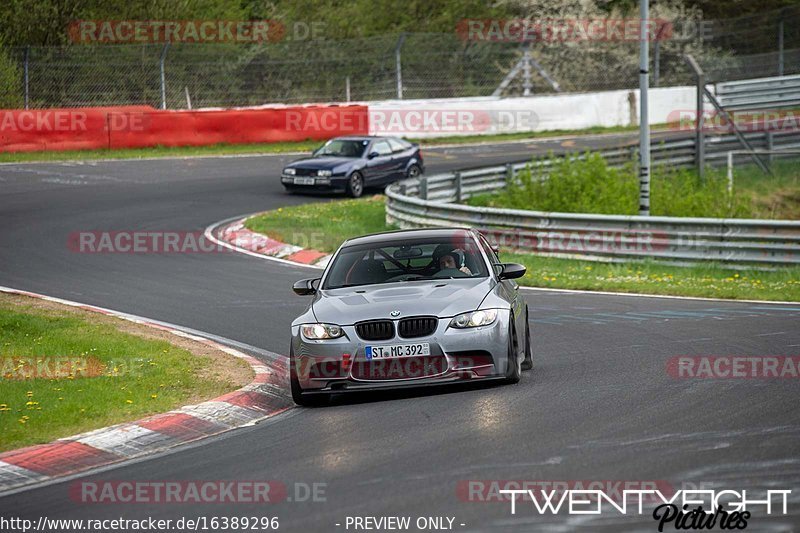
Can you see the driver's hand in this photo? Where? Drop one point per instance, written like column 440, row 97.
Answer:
column 466, row 270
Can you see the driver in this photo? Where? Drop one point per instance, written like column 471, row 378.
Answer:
column 446, row 259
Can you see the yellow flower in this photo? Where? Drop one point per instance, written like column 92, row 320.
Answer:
column 154, row 396
column 128, row 401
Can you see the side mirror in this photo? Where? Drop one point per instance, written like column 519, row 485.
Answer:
column 512, row 271
column 305, row 287
column 373, row 155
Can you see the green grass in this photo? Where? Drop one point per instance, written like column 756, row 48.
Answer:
column 591, row 186
column 322, row 226
column 331, row 223
column 273, row 148
column 128, row 376
column 161, row 151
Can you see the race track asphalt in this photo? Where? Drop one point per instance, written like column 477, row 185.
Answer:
column 599, row 405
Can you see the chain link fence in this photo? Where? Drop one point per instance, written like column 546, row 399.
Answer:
column 409, row 66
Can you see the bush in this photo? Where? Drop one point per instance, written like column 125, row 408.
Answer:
column 589, row 185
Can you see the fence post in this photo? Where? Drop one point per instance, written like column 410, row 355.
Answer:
column 163, row 76
column 699, row 139
column 509, row 174
column 398, row 66
column 27, row 78
column 780, row 44
column 459, row 194
column 347, row 88
column 769, row 141
column 656, row 60
column 423, row 188
column 526, row 72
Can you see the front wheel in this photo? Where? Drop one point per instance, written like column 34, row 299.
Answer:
column 355, row 185
column 527, row 363
column 413, row 171
column 512, row 366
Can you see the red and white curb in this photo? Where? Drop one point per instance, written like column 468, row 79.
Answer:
column 234, row 235
column 262, row 398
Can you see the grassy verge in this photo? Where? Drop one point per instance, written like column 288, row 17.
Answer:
column 591, row 186
column 65, row 371
column 327, row 225
column 274, row 148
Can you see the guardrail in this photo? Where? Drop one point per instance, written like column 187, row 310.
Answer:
column 432, row 201
column 761, row 93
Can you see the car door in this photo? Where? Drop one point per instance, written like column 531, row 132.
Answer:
column 379, row 162
column 401, row 153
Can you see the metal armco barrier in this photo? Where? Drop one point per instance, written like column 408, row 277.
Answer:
column 761, row 93
column 428, row 202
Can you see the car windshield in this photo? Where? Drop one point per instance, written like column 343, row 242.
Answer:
column 342, row 148
column 408, row 260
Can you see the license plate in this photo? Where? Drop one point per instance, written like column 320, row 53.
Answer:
column 397, row 350
column 304, row 181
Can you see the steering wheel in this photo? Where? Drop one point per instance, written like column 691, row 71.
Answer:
column 450, row 273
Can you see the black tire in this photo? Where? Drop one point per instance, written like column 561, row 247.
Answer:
column 289, row 190
column 413, row 171
column 512, row 369
column 309, row 400
column 527, row 363
column 355, row 185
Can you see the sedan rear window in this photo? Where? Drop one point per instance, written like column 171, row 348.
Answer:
column 406, row 261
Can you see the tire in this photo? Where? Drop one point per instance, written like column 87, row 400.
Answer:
column 413, row 171
column 289, row 190
column 355, row 185
column 527, row 363
column 512, row 370
column 313, row 400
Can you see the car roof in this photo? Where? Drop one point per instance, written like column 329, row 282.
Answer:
column 362, row 137
column 402, row 234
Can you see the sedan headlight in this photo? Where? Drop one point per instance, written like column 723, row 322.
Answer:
column 324, row 173
column 289, row 171
column 474, row 319
column 321, row 331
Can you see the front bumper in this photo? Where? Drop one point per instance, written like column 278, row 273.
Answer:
column 333, row 183
column 341, row 364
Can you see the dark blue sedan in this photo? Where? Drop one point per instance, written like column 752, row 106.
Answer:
column 349, row 164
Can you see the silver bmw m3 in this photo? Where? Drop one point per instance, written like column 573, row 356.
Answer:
column 409, row 308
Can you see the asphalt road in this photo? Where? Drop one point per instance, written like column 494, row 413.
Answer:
column 598, row 406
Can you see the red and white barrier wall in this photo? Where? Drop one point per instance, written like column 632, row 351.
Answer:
column 143, row 126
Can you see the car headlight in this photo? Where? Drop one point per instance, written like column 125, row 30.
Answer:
column 324, row 173
column 289, row 171
column 321, row 331
column 474, row 319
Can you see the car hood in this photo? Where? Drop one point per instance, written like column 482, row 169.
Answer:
column 322, row 163
column 442, row 298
